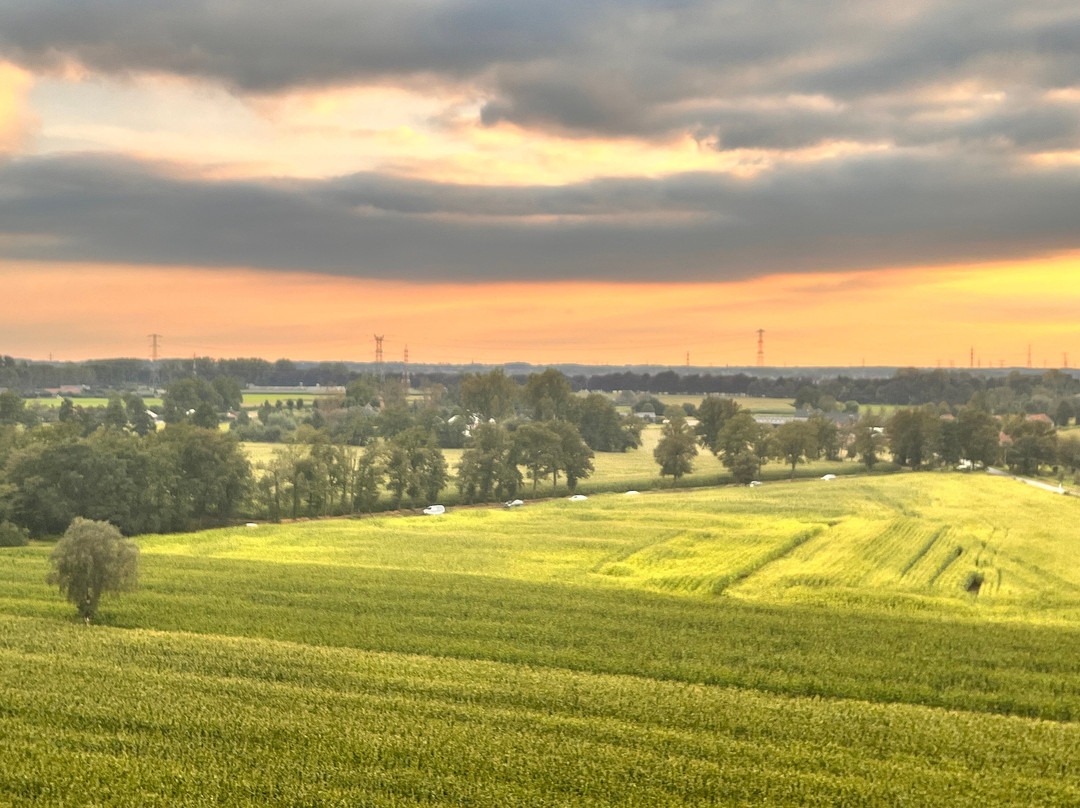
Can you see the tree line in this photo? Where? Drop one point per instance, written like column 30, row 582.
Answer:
column 377, row 447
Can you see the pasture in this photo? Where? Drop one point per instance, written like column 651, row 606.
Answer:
column 622, row 471
column 83, row 401
column 800, row 643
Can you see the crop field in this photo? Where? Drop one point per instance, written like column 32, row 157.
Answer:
column 81, row 401
column 622, row 471
column 800, row 643
column 255, row 400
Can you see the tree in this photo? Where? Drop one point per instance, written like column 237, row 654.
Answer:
column 573, row 456
column 745, row 466
column 978, row 433
column 67, row 411
column 744, row 445
column 362, row 390
column 1064, row 413
column 869, row 440
column 90, row 560
column 795, row 442
column 826, row 436
column 415, row 466
column 138, row 415
column 1034, row 443
column 115, row 416
column 713, row 413
column 205, row 416
column 537, row 450
column 489, row 395
column 548, row 395
column 230, row 391
column 913, row 436
column 676, row 449
column 488, row 467
column 601, row 427
column 186, row 395
column 13, row 410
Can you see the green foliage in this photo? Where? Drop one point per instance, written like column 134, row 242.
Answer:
column 914, row 436
column 13, row 410
column 185, row 395
column 744, row 445
column 415, row 468
column 600, row 425
column 489, row 395
column 11, row 535
column 115, row 415
column 230, row 391
column 90, row 560
column 138, row 416
column 66, row 411
column 713, row 413
column 795, row 442
column 548, row 395
column 573, row 456
column 205, row 416
column 869, row 440
column 649, row 404
column 488, row 466
column 537, row 449
column 1033, row 444
column 677, row 448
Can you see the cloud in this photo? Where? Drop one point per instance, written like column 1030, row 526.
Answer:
column 15, row 119
column 857, row 213
column 648, row 69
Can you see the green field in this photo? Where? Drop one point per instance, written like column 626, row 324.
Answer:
column 79, row 401
column 255, row 400
column 800, row 643
column 622, row 471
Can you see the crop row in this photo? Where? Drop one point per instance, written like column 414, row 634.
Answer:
column 101, row 716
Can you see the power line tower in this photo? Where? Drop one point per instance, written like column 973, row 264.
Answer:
column 378, row 356
column 1029, row 356
column 405, row 370
column 154, row 378
column 971, row 361
column 761, row 347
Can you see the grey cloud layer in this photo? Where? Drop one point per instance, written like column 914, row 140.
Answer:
column 611, row 67
column 867, row 213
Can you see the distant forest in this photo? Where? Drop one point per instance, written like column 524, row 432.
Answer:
column 993, row 390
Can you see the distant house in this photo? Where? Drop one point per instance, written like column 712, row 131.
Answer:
column 1041, row 418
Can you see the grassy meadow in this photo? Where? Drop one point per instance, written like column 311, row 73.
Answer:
column 622, row 471
column 800, row 643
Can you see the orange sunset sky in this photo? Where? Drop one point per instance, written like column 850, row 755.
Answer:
column 592, row 182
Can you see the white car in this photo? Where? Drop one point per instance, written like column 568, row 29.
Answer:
column 578, row 497
column 755, row 483
column 515, row 503
column 435, row 510
column 829, row 477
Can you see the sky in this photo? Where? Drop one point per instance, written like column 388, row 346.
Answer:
column 595, row 181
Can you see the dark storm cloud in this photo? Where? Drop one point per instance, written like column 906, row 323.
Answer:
column 647, row 68
column 856, row 214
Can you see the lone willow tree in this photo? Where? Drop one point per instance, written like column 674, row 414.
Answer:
column 91, row 559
